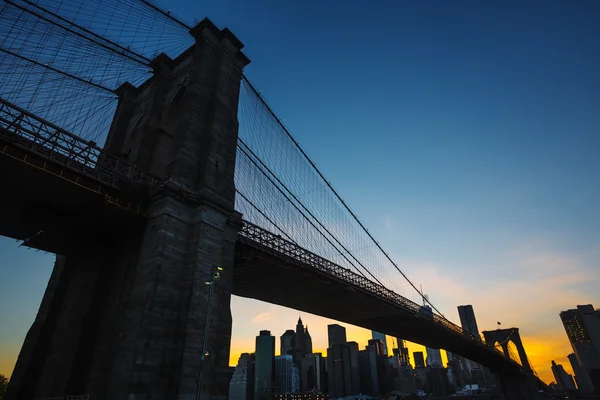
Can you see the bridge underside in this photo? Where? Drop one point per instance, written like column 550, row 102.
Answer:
column 262, row 276
column 51, row 207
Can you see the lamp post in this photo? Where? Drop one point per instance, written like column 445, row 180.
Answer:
column 211, row 284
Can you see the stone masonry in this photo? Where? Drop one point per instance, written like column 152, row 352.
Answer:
column 124, row 314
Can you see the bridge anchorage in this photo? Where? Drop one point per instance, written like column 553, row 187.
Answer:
column 140, row 224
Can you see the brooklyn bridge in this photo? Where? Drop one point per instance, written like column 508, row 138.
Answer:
column 133, row 147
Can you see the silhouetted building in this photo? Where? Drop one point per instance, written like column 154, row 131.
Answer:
column 419, row 360
column 336, row 334
column 437, row 382
column 286, row 375
column 371, row 369
column 467, row 319
column 457, row 365
column 434, row 357
column 307, row 342
column 302, row 344
column 383, row 338
column 583, row 330
column 343, row 370
column 313, row 373
column 263, row 371
column 584, row 383
column 241, row 386
column 469, row 324
column 303, row 341
column 287, row 342
column 564, row 381
column 377, row 346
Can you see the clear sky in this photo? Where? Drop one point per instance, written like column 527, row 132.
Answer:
column 465, row 134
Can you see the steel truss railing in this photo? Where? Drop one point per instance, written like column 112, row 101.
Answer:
column 34, row 134
column 271, row 243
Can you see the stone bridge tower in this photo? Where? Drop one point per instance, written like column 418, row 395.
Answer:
column 518, row 386
column 125, row 312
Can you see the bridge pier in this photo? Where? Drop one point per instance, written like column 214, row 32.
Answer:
column 124, row 314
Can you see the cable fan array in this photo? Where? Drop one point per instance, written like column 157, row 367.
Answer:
column 63, row 59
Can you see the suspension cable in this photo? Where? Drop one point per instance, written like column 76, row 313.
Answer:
column 425, row 299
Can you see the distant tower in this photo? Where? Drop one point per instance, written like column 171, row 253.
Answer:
column 307, row 343
column 241, row 386
column 434, row 357
column 584, row 384
column 467, row 319
column 300, row 342
column 336, row 334
column 383, row 338
column 564, row 381
column 263, row 372
column 284, row 374
column 287, row 342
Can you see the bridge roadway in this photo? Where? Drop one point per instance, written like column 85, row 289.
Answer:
column 57, row 188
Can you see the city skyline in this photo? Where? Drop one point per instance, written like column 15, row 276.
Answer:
column 478, row 169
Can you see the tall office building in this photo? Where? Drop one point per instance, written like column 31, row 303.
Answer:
column 564, row 381
column 287, row 342
column 307, row 342
column 377, row 346
column 313, row 373
column 343, row 370
column 383, row 338
column 434, row 357
column 419, row 360
column 284, row 375
column 368, row 373
column 467, row 319
column 583, row 330
column 263, row 370
column 241, row 386
column 584, row 384
column 336, row 334
column 469, row 324
column 302, row 343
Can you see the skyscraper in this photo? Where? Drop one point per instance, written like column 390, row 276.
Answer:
column 336, row 334
column 419, row 360
column 284, row 374
column 469, row 324
column 263, row 371
column 467, row 319
column 307, row 342
column 241, row 386
column 343, row 370
column 584, row 384
column 583, row 330
column 383, row 338
column 377, row 347
column 564, row 381
column 300, row 342
column 313, row 374
column 287, row 342
column 434, row 357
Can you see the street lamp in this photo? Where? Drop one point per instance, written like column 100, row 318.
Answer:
column 214, row 277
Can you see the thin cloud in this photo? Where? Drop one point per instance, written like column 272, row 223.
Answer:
column 264, row 317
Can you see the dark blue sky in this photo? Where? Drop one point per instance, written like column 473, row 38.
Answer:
column 466, row 135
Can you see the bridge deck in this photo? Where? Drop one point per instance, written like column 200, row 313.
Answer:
column 53, row 201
